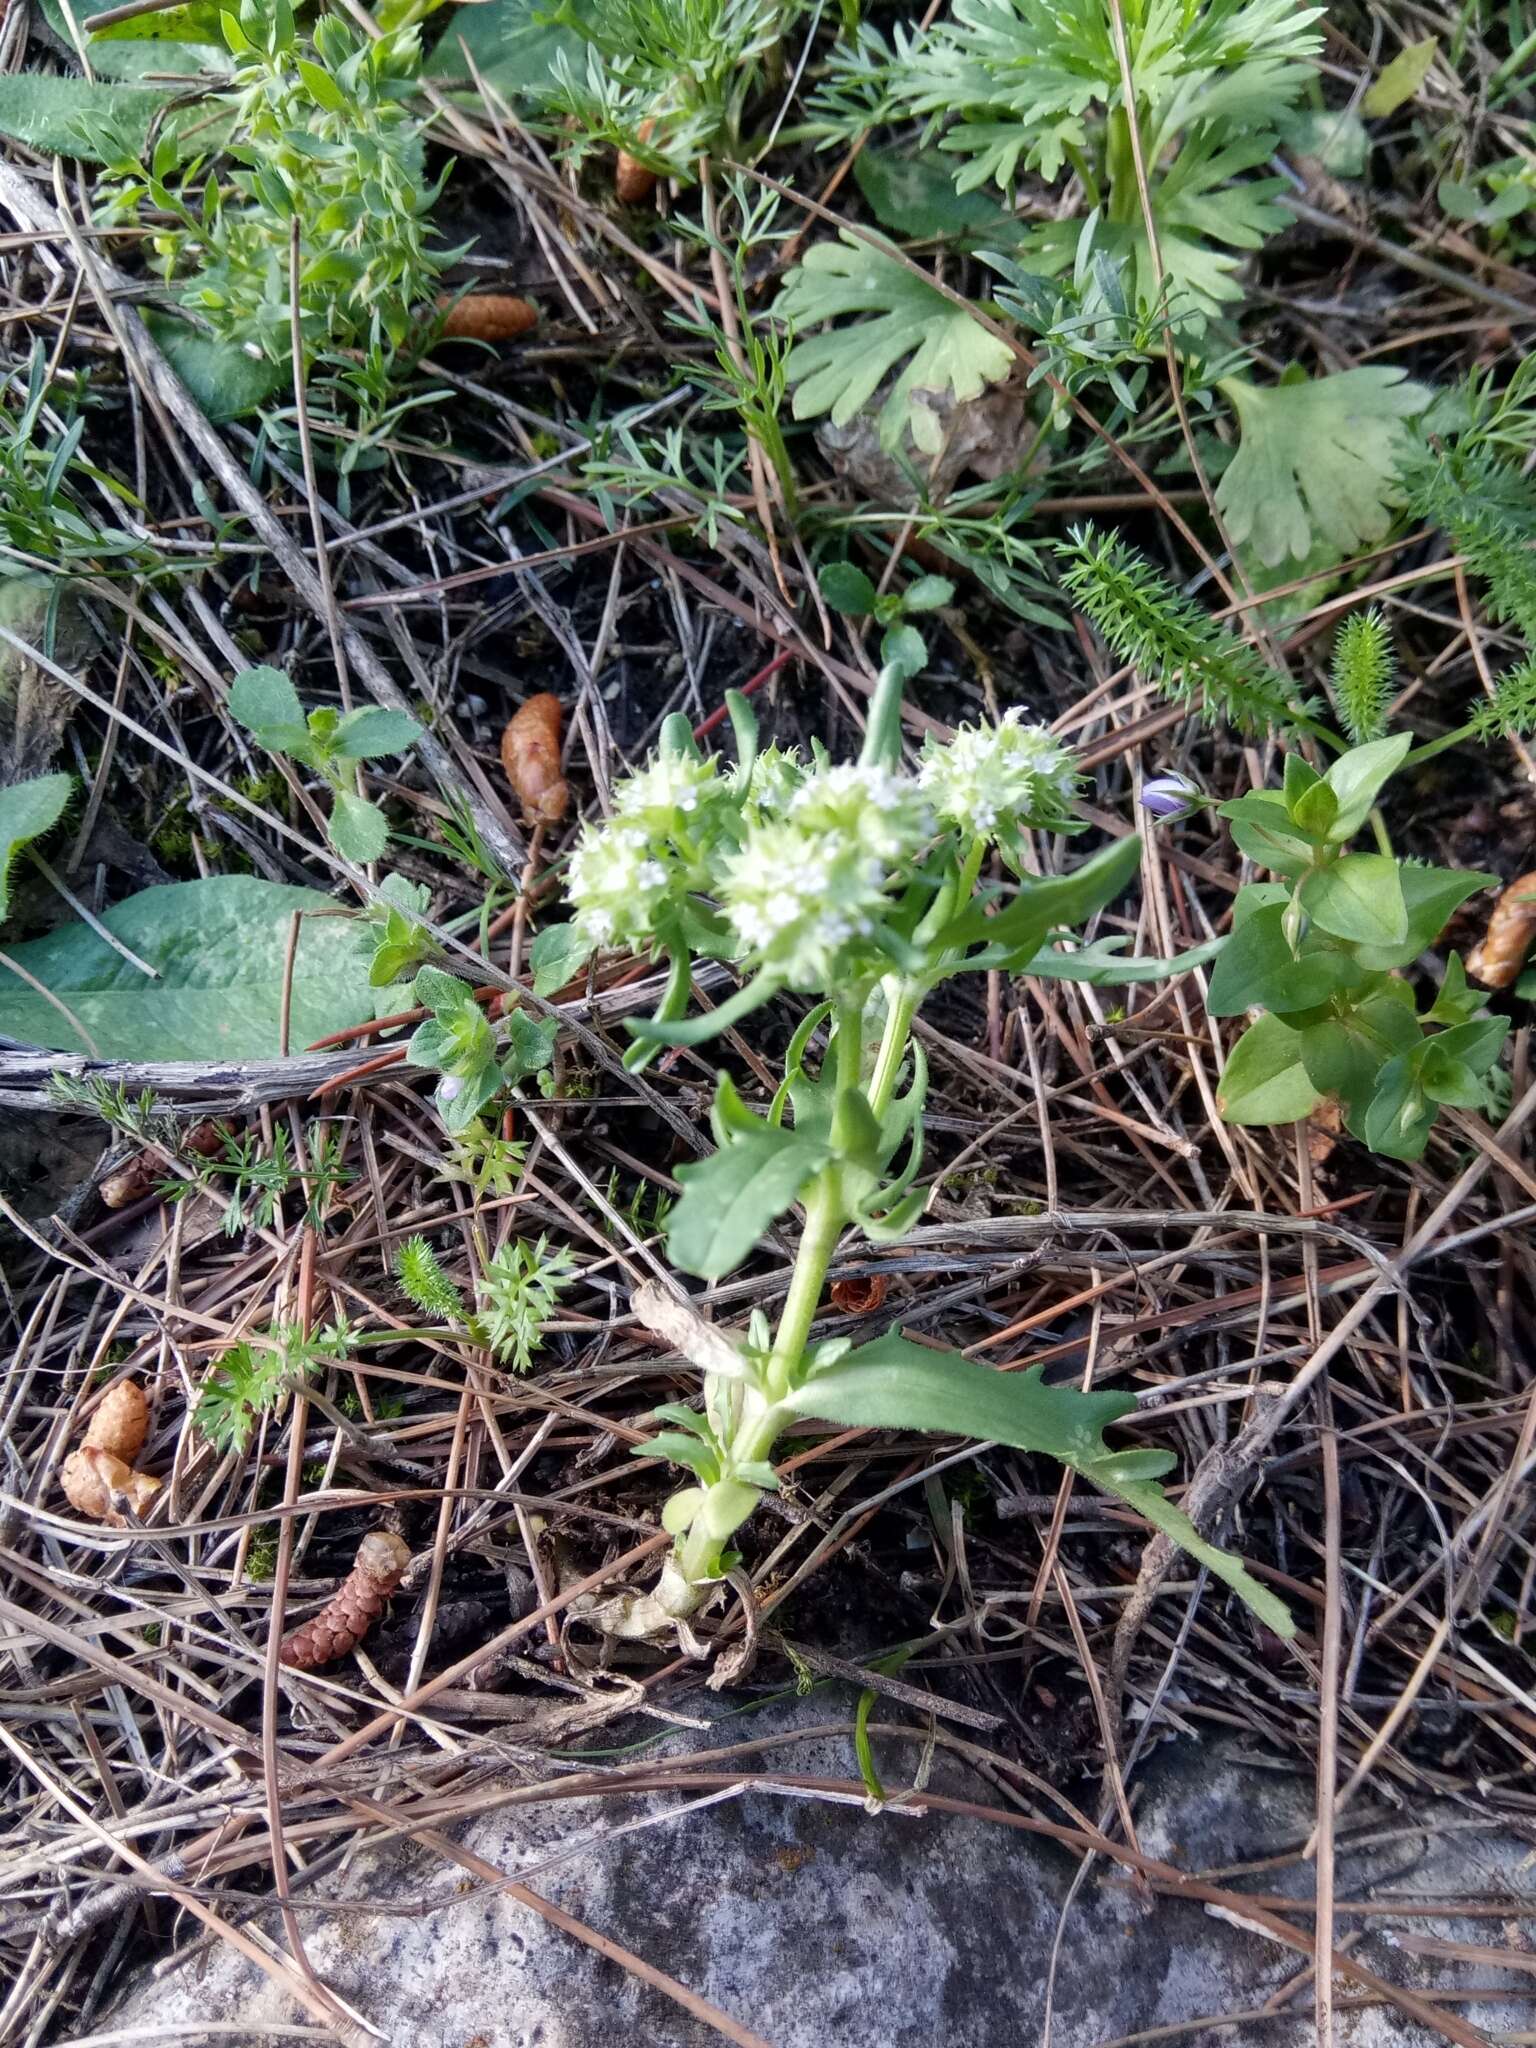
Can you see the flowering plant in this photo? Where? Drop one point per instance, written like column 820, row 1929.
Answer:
column 855, row 886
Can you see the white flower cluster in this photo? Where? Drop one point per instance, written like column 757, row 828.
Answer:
column 809, row 884
column 991, row 779
column 616, row 884
column 666, row 791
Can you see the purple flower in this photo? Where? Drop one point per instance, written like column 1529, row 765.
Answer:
column 1170, row 796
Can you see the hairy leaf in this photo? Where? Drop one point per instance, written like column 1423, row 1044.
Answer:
column 27, row 811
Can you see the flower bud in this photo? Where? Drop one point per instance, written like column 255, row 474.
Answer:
column 1170, row 796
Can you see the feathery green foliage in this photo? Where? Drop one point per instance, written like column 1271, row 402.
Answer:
column 421, row 1276
column 1362, row 675
column 252, row 1377
column 1170, row 640
column 522, row 1284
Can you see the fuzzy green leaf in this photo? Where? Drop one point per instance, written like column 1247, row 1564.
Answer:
column 1398, row 82
column 79, row 117
column 27, row 811
column 557, row 956
column 839, row 370
column 359, row 831
column 374, row 729
column 1319, row 459
column 225, row 379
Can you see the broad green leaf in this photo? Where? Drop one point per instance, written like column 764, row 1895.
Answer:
column 1430, row 896
column 27, row 811
column 198, row 22
column 530, row 1044
column 1398, row 82
column 1257, row 970
column 732, row 1197
column 927, row 594
column 839, row 370
column 511, row 44
column 895, row 1384
column 373, row 729
column 847, row 589
column 79, row 117
column 358, row 830
column 225, row 380
column 264, row 700
column 916, row 196
column 435, row 990
column 219, row 947
column 1358, row 778
column 1344, row 1055
column 1265, row 1080
column 1358, row 898
column 1318, row 458
column 1400, row 1117
column 128, row 50
column 557, row 956
column 1332, row 136
column 1261, row 827
column 904, row 648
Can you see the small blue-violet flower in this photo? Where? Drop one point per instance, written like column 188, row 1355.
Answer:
column 1170, row 796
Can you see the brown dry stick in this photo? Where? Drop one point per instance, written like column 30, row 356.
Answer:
column 530, row 754
column 354, row 1607
column 1511, row 928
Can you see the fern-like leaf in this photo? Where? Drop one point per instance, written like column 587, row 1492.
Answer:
column 1363, row 668
column 1170, row 640
column 1512, row 707
column 422, row 1278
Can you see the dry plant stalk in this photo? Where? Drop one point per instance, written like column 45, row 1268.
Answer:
column 490, row 316
column 145, row 1170
column 1497, row 962
column 530, row 754
column 634, row 181
column 354, row 1607
column 103, row 1466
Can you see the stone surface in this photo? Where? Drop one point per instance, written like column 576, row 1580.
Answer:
column 821, row 1926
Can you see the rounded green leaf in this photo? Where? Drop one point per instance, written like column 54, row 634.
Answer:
column 1265, row 1081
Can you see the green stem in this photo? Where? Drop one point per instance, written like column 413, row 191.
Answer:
column 824, row 1221
column 903, row 999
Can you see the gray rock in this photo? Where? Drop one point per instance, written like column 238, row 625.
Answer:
column 820, row 1925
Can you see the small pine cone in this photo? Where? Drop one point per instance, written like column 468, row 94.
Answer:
column 120, row 1422
column 91, row 1476
column 491, row 316
column 530, row 754
column 356, row 1605
column 634, row 181
column 859, row 1296
column 1497, row 962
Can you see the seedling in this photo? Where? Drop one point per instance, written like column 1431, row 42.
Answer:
column 326, row 742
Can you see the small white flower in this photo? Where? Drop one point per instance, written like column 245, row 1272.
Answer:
column 993, row 778
column 776, row 775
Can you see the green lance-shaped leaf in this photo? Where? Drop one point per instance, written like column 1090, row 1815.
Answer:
column 896, row 1384
column 730, row 1199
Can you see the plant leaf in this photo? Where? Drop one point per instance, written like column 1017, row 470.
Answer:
column 557, row 955
column 839, row 370
column 1397, row 82
column 1265, row 1080
column 1358, row 898
column 264, row 700
column 374, row 729
column 358, row 830
column 27, row 811
column 79, row 117
column 730, row 1199
column 219, row 946
column 226, row 382
column 1318, row 459
column 896, row 1384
